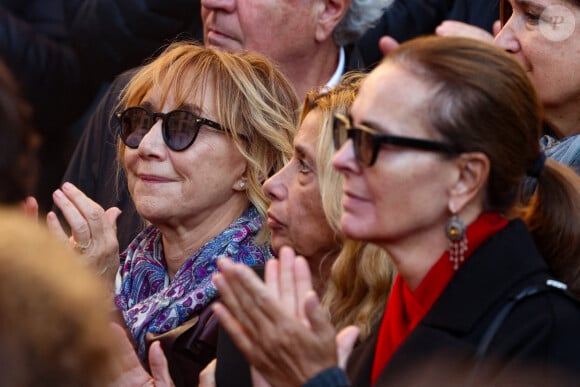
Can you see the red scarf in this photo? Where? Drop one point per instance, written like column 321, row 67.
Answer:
column 406, row 308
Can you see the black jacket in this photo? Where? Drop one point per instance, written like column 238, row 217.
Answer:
column 35, row 44
column 542, row 329
column 111, row 36
column 407, row 19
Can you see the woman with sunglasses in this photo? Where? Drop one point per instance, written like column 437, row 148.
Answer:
column 200, row 132
column 433, row 153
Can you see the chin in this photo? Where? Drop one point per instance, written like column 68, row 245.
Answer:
column 353, row 229
column 277, row 243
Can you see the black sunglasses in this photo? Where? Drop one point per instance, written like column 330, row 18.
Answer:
column 367, row 144
column 179, row 127
column 505, row 11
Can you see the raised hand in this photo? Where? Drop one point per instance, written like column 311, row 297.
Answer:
column 93, row 230
column 279, row 325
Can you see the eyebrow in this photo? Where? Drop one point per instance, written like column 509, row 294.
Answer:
column 301, row 152
column 530, row 4
column 146, row 105
column 371, row 127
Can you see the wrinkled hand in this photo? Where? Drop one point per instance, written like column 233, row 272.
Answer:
column 132, row 373
column 94, row 230
column 456, row 28
column 279, row 325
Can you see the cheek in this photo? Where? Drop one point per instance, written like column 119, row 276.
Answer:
column 405, row 192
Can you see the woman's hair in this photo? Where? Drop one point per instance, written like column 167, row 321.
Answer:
column 361, row 15
column 18, row 143
column 483, row 101
column 252, row 100
column 361, row 276
column 54, row 318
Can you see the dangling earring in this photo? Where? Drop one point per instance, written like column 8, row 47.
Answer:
column 455, row 232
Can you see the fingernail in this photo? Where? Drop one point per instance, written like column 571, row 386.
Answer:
column 58, row 193
column 67, row 186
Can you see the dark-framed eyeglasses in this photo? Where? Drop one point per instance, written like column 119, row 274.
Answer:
column 179, row 127
column 367, row 144
column 505, row 11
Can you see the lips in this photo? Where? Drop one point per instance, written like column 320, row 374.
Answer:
column 154, row 178
column 350, row 201
column 274, row 223
column 218, row 38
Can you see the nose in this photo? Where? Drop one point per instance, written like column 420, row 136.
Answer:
column 344, row 160
column 224, row 5
column 152, row 144
column 275, row 188
column 507, row 37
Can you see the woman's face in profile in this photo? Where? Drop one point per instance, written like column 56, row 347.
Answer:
column 295, row 216
column 403, row 196
column 183, row 187
column 544, row 36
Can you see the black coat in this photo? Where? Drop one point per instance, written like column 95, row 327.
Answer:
column 407, row 19
column 111, row 36
column 543, row 329
column 35, row 44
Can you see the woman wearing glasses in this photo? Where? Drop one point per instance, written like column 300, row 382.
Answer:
column 201, row 132
column 433, row 154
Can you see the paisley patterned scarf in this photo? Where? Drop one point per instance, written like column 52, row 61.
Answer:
column 151, row 303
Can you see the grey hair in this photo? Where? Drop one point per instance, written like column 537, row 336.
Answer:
column 361, row 15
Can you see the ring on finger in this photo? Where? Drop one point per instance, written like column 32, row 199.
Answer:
column 82, row 247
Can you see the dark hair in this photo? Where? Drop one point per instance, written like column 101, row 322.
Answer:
column 483, row 101
column 18, row 142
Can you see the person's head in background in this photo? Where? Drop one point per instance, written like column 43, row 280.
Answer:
column 449, row 84
column 305, row 214
column 18, row 143
column 302, row 36
column 544, row 36
column 54, row 319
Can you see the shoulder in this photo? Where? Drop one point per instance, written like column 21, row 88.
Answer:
column 543, row 327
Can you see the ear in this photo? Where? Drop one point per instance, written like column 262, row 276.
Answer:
column 331, row 13
column 469, row 187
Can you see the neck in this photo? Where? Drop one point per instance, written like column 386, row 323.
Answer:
column 312, row 70
column 415, row 255
column 320, row 268
column 563, row 120
column 182, row 240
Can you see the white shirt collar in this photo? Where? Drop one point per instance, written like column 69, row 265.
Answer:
column 333, row 81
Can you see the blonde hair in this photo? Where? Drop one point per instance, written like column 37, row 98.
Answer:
column 253, row 100
column 53, row 312
column 362, row 274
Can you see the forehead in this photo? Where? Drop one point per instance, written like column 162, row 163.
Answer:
column 390, row 94
column 179, row 92
column 308, row 133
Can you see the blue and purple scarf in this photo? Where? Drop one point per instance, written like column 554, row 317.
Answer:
column 151, row 303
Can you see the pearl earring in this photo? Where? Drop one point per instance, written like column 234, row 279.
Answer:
column 242, row 184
